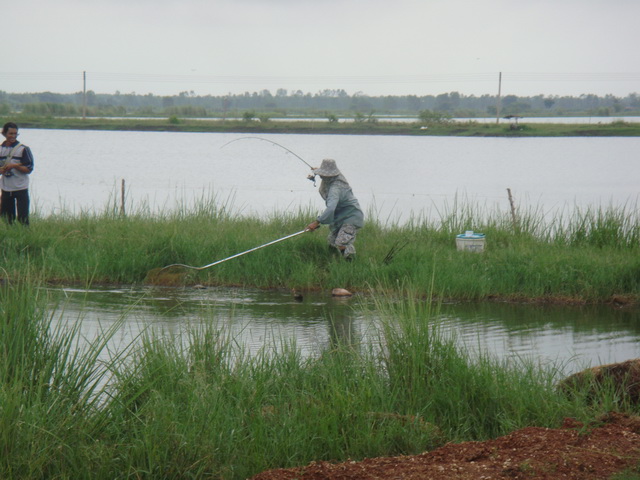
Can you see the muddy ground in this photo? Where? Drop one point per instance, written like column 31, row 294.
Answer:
column 575, row 451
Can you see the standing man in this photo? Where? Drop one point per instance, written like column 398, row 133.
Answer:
column 343, row 213
column 16, row 163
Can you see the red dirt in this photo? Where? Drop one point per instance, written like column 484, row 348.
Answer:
column 575, row 451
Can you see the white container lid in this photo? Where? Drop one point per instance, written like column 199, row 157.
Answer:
column 472, row 236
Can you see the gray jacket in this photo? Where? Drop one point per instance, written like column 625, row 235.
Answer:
column 342, row 206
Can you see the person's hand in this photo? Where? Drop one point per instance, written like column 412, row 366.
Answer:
column 312, row 226
column 312, row 176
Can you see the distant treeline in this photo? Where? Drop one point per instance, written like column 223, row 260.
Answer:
column 327, row 103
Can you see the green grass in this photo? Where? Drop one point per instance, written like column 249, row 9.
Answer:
column 591, row 256
column 322, row 126
column 633, row 474
column 196, row 404
column 50, row 388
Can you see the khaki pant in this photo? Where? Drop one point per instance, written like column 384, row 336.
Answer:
column 343, row 239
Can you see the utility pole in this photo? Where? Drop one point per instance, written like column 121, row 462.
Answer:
column 84, row 95
column 498, row 102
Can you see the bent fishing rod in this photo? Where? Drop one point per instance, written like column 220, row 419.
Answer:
column 272, row 143
column 311, row 176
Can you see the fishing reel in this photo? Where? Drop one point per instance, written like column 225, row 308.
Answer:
column 312, row 177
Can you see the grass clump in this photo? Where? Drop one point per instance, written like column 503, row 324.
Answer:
column 50, row 390
column 467, row 394
column 591, row 256
column 196, row 404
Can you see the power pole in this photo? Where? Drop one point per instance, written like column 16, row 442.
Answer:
column 498, row 102
column 84, row 95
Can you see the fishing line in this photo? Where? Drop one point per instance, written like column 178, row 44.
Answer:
column 272, row 143
column 311, row 176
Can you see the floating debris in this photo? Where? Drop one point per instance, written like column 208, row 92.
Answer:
column 341, row 292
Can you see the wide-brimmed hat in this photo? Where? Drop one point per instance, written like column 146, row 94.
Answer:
column 328, row 168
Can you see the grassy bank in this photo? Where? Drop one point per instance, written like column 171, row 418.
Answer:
column 322, row 126
column 591, row 256
column 196, row 405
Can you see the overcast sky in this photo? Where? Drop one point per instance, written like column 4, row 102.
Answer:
column 377, row 47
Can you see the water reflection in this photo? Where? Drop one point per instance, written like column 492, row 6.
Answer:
column 578, row 336
column 570, row 337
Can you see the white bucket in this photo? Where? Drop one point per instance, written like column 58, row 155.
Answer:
column 470, row 242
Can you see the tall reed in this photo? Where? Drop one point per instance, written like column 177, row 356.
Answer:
column 195, row 404
column 50, row 389
column 467, row 394
column 588, row 256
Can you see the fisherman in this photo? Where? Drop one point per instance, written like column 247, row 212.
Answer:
column 343, row 213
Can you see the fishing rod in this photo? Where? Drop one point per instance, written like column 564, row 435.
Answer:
column 236, row 255
column 272, row 143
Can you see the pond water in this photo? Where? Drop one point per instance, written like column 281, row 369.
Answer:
column 396, row 178
column 570, row 338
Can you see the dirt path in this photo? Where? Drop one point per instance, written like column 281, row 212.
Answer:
column 574, row 451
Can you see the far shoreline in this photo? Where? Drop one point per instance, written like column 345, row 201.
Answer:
column 468, row 128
